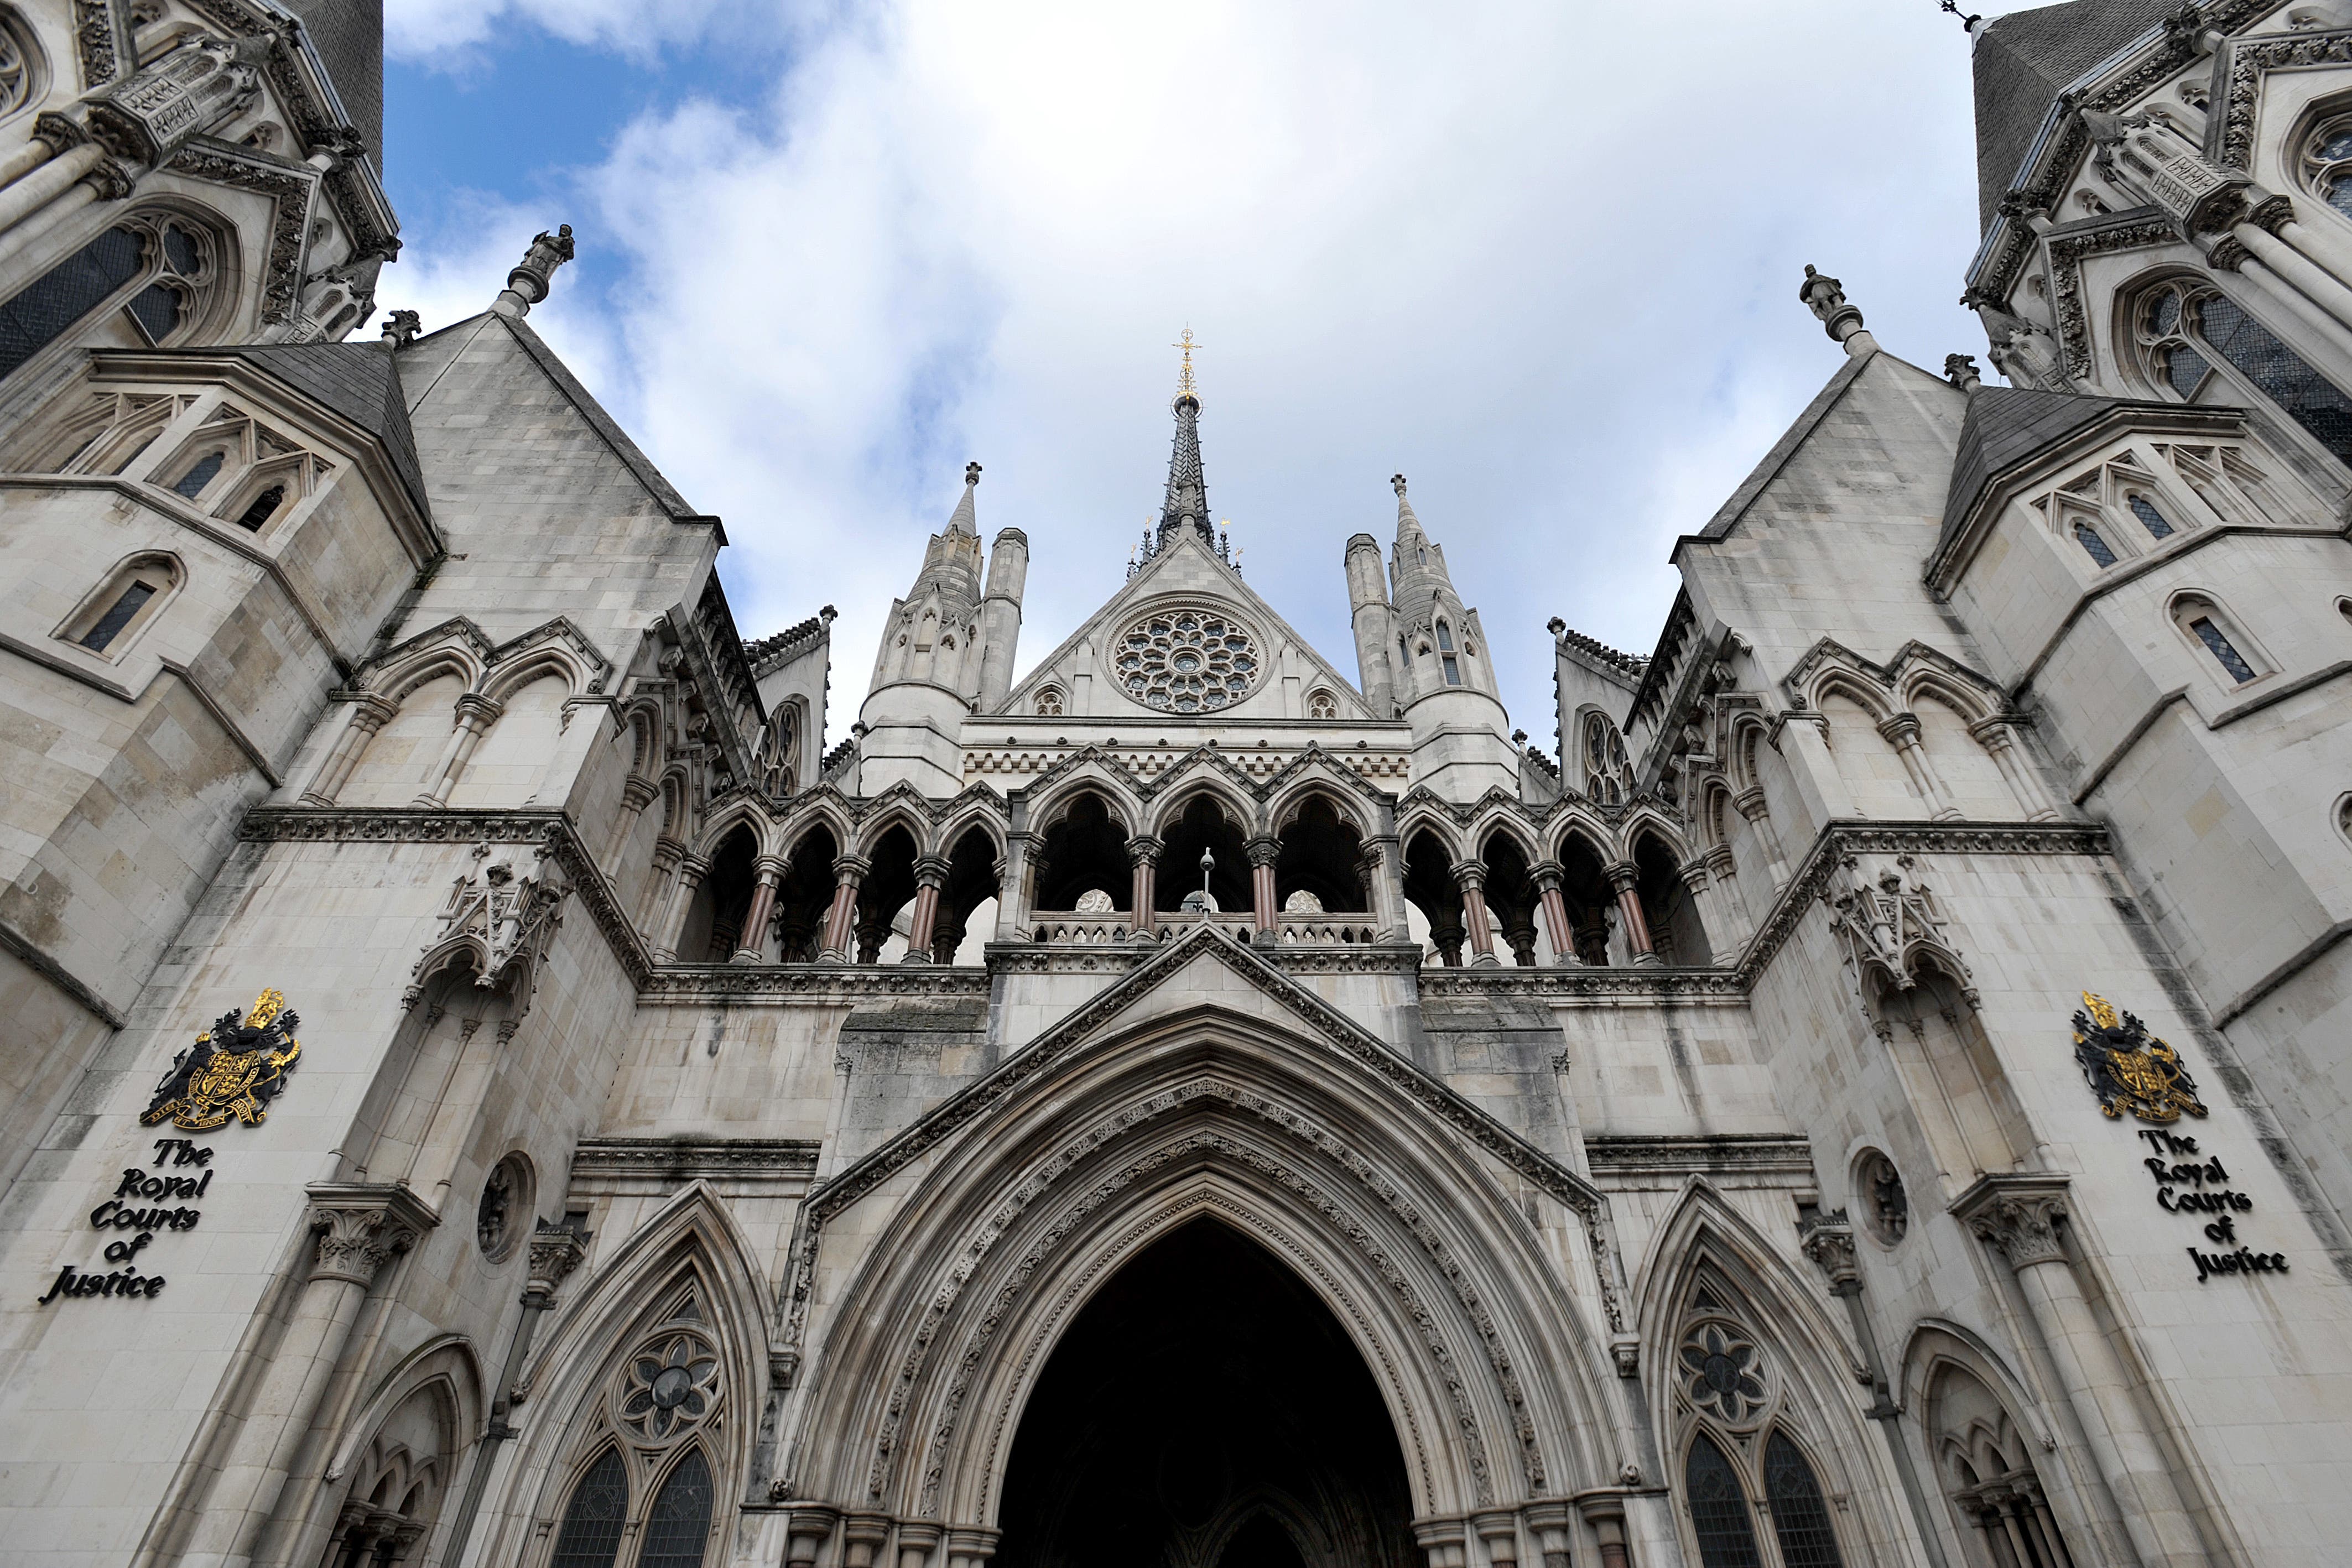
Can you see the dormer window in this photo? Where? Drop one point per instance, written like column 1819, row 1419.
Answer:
column 1445, row 654
column 261, row 508
column 2150, row 519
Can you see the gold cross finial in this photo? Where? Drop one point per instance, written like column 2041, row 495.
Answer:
column 1184, row 387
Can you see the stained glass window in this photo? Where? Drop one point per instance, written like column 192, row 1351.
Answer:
column 1718, row 1509
column 2088, row 537
column 592, row 1524
column 679, row 1528
column 2218, row 644
column 1800, row 1518
column 2150, row 519
column 118, row 616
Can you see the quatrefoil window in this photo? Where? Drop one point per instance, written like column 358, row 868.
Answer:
column 1721, row 1372
column 669, row 1385
column 1188, row 661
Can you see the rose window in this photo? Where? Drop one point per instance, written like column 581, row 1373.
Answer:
column 669, row 1385
column 1720, row 1372
column 1188, row 661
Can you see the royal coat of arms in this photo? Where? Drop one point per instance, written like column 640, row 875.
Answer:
column 2130, row 1069
column 234, row 1071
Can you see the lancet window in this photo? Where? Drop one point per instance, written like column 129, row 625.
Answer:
column 2212, row 631
column 2187, row 335
column 1445, row 654
column 2120, row 508
column 242, row 471
column 646, row 1461
column 124, row 604
column 159, row 271
column 1752, row 1496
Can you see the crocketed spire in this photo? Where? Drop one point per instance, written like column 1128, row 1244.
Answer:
column 1188, row 494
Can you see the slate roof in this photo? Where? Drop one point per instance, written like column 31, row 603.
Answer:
column 358, row 381
column 2024, row 60
column 349, row 36
column 2005, row 426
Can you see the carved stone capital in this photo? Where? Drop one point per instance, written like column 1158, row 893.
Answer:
column 1828, row 1241
column 637, row 793
column 849, row 870
column 555, row 1252
column 1144, row 849
column 59, row 133
column 362, row 1226
column 1262, row 851
column 1470, row 876
column 931, row 871
column 478, row 712
column 2017, row 1216
column 1901, row 729
column 1546, row 875
column 1749, row 802
column 1624, row 877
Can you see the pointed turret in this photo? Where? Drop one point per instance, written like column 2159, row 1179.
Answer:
column 927, row 671
column 1187, row 504
column 1444, row 681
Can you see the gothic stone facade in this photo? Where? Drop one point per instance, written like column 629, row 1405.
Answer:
column 480, row 1083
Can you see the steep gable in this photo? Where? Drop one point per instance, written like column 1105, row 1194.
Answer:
column 1185, row 571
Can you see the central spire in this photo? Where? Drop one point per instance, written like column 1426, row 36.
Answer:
column 1188, row 496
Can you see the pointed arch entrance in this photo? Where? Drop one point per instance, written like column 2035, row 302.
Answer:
column 1205, row 1410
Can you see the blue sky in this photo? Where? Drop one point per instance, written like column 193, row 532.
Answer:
column 1543, row 259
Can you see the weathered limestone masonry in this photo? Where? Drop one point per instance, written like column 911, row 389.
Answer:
column 482, row 1083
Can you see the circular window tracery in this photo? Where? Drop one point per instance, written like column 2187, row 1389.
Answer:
column 1186, row 659
column 1721, row 1371
column 668, row 1387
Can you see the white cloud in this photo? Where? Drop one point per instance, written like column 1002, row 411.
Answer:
column 434, row 32
column 1541, row 258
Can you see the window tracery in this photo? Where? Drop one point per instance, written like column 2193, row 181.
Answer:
column 19, row 62
column 2185, row 333
column 661, row 1404
column 1187, row 660
column 1049, row 700
column 158, row 269
column 1608, row 770
column 1740, row 1458
column 506, row 1202
column 2328, row 163
column 1322, row 705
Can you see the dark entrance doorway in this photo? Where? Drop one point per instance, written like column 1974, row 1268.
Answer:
column 1206, row 1410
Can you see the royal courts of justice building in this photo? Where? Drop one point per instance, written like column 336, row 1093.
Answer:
column 483, row 1085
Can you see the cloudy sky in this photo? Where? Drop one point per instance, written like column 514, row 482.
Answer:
column 1541, row 258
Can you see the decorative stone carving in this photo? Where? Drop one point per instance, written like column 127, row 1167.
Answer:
column 1825, row 296
column 361, row 1227
column 1828, row 1241
column 555, row 1252
column 535, row 274
column 502, row 921
column 1188, row 659
column 187, row 92
column 2017, row 1216
column 1721, row 1371
column 1889, row 923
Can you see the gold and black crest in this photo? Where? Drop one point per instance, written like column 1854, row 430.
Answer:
column 2130, row 1069
column 234, row 1071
